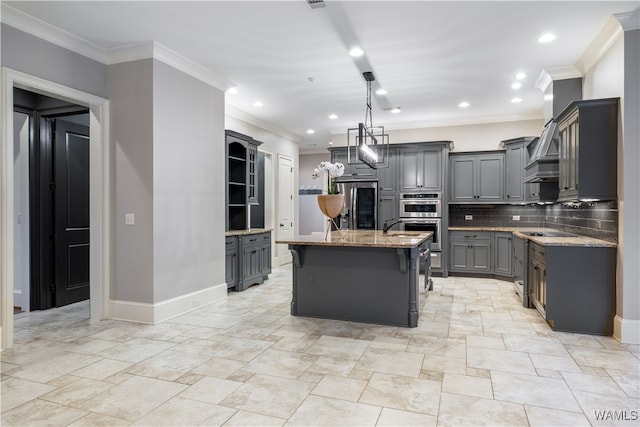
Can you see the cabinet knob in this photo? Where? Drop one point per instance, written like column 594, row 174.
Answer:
column 565, row 188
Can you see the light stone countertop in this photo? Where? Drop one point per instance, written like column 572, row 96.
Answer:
column 545, row 241
column 363, row 238
column 247, row 232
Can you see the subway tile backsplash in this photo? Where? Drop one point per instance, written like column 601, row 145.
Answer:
column 593, row 219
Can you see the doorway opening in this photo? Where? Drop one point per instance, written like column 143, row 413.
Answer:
column 51, row 182
column 99, row 194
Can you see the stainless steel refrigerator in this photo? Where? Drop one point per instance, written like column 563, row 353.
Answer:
column 360, row 211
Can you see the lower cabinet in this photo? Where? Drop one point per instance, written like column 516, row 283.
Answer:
column 481, row 252
column 574, row 287
column 502, row 254
column 248, row 261
column 231, row 261
column 470, row 251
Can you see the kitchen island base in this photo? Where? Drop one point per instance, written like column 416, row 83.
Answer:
column 370, row 285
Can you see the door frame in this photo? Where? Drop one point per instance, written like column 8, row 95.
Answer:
column 99, row 199
column 283, row 258
column 269, row 197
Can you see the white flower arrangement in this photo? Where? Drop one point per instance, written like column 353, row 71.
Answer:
column 334, row 170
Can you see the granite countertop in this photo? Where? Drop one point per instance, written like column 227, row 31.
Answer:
column 247, row 232
column 542, row 240
column 363, row 238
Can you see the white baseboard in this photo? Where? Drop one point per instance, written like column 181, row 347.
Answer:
column 156, row 313
column 626, row 331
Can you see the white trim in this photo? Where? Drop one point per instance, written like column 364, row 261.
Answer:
column 248, row 118
column 626, row 331
column 99, row 260
column 144, row 50
column 165, row 310
column 558, row 73
column 155, row 50
column 17, row 19
column 609, row 35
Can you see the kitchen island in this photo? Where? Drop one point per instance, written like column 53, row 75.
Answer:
column 359, row 275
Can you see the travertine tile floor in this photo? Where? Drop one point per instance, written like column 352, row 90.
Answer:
column 477, row 358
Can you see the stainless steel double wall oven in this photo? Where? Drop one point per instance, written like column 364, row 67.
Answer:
column 423, row 212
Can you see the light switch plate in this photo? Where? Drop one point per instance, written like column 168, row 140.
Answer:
column 516, row 217
column 129, row 219
column 468, row 217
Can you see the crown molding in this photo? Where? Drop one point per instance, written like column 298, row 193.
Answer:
column 611, row 32
column 143, row 50
column 239, row 114
column 41, row 29
column 557, row 73
column 629, row 20
column 155, row 50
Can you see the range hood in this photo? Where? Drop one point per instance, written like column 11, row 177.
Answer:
column 544, row 154
column 560, row 88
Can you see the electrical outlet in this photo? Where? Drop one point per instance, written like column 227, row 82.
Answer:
column 129, row 219
column 516, row 217
column 468, row 217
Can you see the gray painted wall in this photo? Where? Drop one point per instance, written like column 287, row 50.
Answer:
column 628, row 306
column 131, row 95
column 188, row 184
column 39, row 58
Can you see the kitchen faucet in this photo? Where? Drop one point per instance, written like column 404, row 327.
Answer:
column 386, row 227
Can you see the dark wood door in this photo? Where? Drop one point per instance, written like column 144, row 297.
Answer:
column 71, row 212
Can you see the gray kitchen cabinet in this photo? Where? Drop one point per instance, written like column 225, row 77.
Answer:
column 502, row 254
column 588, row 132
column 477, row 178
column 515, row 159
column 387, row 208
column 353, row 171
column 535, row 192
column 573, row 287
column 241, row 179
column 387, row 176
column 520, row 269
column 248, row 259
column 421, row 169
column 231, row 261
column 470, row 252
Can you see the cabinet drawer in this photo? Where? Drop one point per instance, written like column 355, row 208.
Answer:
column 231, row 244
column 475, row 235
column 252, row 240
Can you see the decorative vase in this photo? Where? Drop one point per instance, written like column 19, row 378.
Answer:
column 331, row 206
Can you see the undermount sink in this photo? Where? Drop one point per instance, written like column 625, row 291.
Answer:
column 548, row 234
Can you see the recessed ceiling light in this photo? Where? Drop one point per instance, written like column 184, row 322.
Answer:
column 516, row 85
column 521, row 76
column 232, row 90
column 464, row 104
column 330, row 142
column 546, row 38
column 381, row 92
column 258, row 104
column 310, row 131
column 516, row 100
column 333, row 116
column 395, row 110
column 356, row 51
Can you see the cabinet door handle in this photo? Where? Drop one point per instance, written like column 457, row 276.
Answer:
column 281, row 225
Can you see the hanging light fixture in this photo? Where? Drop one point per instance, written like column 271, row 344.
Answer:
column 368, row 144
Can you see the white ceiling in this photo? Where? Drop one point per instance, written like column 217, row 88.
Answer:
column 428, row 55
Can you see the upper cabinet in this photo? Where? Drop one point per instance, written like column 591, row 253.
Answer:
column 588, row 132
column 352, row 171
column 241, row 178
column 421, row 169
column 477, row 178
column 515, row 159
